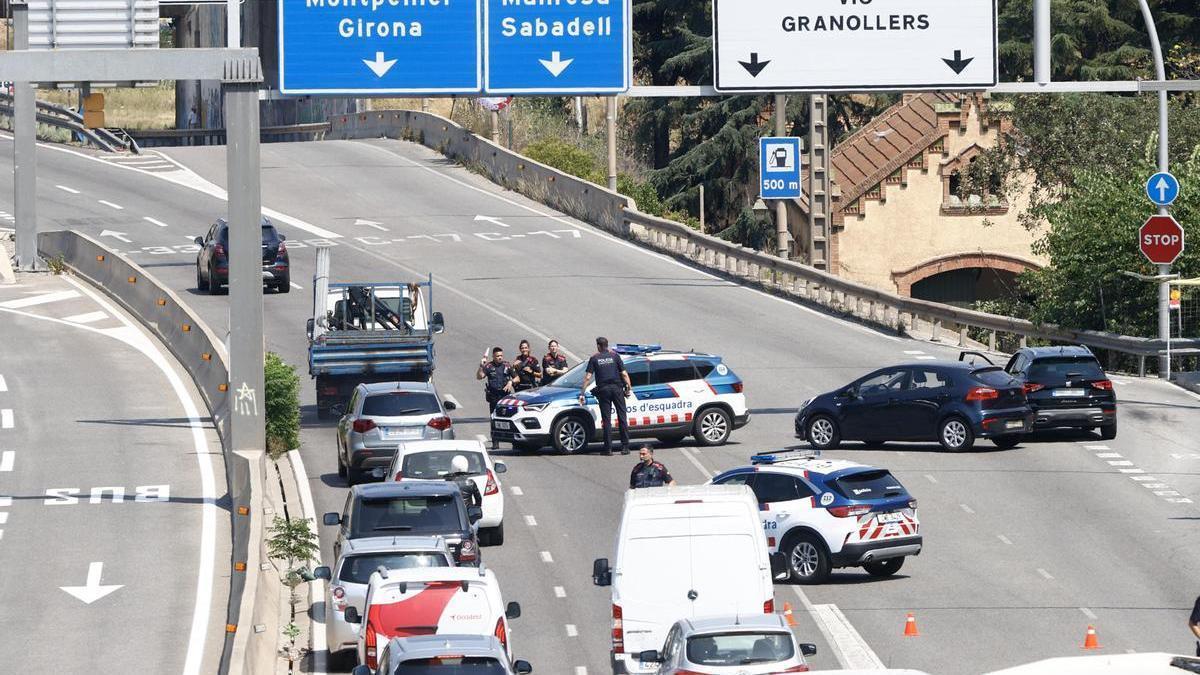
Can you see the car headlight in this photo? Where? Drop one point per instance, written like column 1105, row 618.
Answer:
column 804, row 404
column 535, row 407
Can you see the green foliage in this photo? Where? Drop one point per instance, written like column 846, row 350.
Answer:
column 750, row 229
column 566, row 157
column 295, row 542
column 282, row 406
column 57, row 264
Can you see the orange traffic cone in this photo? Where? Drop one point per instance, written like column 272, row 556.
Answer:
column 1090, row 641
column 910, row 626
column 787, row 614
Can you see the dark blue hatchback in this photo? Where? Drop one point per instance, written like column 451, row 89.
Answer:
column 951, row 402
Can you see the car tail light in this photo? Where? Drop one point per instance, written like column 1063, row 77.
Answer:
column 329, row 391
column 399, row 476
column 370, row 646
column 1031, row 387
column 618, row 631
column 1106, row 385
column 737, row 387
column 849, row 511
column 282, row 250
column 467, row 552
column 363, row 426
column 982, row 394
column 339, row 597
column 218, row 249
column 793, row 669
column 440, row 423
column 501, row 633
column 491, row 488
column 769, row 606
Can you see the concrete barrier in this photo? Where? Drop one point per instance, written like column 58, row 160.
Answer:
column 198, row 349
column 573, row 196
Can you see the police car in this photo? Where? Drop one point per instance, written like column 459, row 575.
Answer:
column 818, row 514
column 675, row 394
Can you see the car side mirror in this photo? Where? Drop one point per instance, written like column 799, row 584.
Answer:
column 853, row 392
column 361, row 669
column 331, row 519
column 352, row 615
column 808, row 649
column 601, row 573
column 338, row 410
column 522, row 667
column 474, row 513
column 449, row 405
column 649, row 656
column 512, row 610
column 282, row 237
column 323, row 572
column 309, row 328
column 437, row 322
column 501, row 467
column 199, row 241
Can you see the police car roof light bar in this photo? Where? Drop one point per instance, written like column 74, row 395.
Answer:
column 785, row 456
column 626, row 348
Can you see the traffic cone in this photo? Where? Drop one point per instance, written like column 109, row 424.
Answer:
column 1090, row 641
column 787, row 614
column 910, row 626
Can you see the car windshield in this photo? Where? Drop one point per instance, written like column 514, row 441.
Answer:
column 573, row 378
column 357, row 569
column 436, row 463
column 732, row 649
column 451, row 665
column 269, row 235
column 867, row 485
column 1065, row 368
column 408, row 514
column 400, row 403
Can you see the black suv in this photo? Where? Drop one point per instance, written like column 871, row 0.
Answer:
column 1066, row 387
column 212, row 260
column 409, row 508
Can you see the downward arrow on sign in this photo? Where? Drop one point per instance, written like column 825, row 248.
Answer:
column 92, row 591
column 556, row 65
column 379, row 66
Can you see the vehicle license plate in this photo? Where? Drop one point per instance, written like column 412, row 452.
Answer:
column 1014, row 424
column 501, row 424
column 1068, row 392
column 406, row 433
column 889, row 517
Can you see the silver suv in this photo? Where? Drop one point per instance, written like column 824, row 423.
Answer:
column 381, row 415
column 450, row 654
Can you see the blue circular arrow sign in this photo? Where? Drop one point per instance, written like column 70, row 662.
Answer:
column 1162, row 188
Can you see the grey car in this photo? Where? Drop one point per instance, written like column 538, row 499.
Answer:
column 381, row 415
column 738, row 645
column 448, row 654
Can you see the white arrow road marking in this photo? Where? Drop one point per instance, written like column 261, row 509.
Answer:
column 370, row 223
column 41, row 299
column 556, row 65
column 116, row 235
column 93, row 591
column 490, row 219
column 379, row 66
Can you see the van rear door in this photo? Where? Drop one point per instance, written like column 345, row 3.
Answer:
column 727, row 575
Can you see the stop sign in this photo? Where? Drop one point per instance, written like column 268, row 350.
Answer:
column 1161, row 239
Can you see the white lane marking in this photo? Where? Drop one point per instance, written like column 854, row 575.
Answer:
column 1167, row 493
column 159, row 223
column 1108, row 455
column 849, row 647
column 913, row 352
column 1088, row 613
column 6, row 418
column 930, row 478
column 1184, row 500
column 1096, row 447
column 580, row 670
column 1155, row 486
column 560, row 592
column 3, row 384
column 110, row 204
column 696, row 463
column 88, row 317
column 481, row 438
column 1004, row 539
column 572, row 631
column 546, row 557
column 1045, row 575
column 7, row 458
column 516, row 490
column 39, row 299
column 3, row 517
column 531, row 521
column 5, row 502
column 208, row 521
column 64, row 188
column 966, row 508
column 296, row 286
column 1131, row 471
column 1143, row 478
column 1119, row 462
column 927, row 358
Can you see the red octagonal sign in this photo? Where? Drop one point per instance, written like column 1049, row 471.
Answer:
column 1161, row 239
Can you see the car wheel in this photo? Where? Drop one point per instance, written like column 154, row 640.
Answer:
column 570, row 435
column 214, row 286
column 492, row 536
column 884, row 568
column 284, row 285
column 1007, row 442
column 201, row 284
column 823, row 433
column 353, row 477
column 955, row 434
column 807, row 561
column 1109, row 432
column 712, row 426
column 341, row 466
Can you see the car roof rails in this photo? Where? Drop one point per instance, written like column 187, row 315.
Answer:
column 785, row 456
column 962, row 356
column 627, row 348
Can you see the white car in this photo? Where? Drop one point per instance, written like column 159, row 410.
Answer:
column 432, row 601
column 757, row 644
column 360, row 559
column 430, row 460
column 819, row 514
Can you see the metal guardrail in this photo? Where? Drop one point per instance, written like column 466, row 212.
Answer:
column 278, row 134
column 62, row 117
column 866, row 303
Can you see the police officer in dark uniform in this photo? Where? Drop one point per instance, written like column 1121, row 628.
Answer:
column 612, row 386
column 649, row 473
column 499, row 379
column 529, row 371
column 554, row 364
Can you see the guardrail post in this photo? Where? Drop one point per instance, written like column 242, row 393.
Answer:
column 962, row 335
column 991, row 341
column 937, row 330
column 1024, row 341
column 1141, row 365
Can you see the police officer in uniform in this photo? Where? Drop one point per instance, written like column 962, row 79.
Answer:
column 1194, row 624
column 529, row 371
column 612, row 386
column 554, row 364
column 649, row 473
column 499, row 379
column 461, row 476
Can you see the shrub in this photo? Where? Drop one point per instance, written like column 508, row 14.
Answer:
column 567, row 158
column 282, row 406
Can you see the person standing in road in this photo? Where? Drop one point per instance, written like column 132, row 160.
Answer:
column 1194, row 624
column 649, row 473
column 554, row 364
column 460, row 475
column 529, row 371
column 612, row 386
column 499, row 378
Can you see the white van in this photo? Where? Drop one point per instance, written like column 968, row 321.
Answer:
column 683, row 553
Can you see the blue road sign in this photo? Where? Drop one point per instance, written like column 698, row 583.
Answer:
column 538, row 47
column 380, row 46
column 779, row 167
column 1162, row 188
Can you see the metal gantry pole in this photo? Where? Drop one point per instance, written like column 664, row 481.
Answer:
column 1041, row 41
column 24, row 151
column 1164, row 166
column 610, row 124
column 233, row 23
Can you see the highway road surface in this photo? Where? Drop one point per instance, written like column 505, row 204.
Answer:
column 116, row 548
column 1023, row 548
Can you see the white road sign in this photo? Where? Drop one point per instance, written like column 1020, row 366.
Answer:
column 854, row 45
